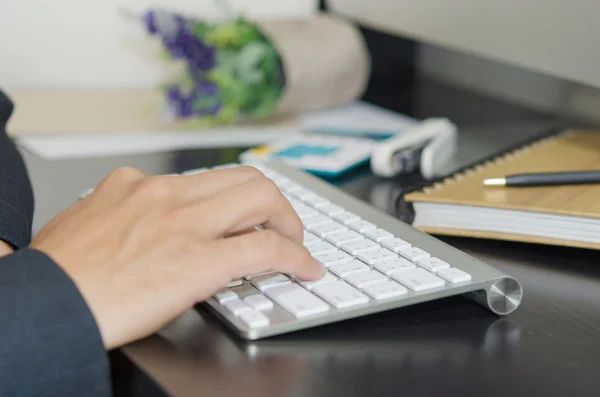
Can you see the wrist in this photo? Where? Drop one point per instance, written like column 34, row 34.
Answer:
column 5, row 248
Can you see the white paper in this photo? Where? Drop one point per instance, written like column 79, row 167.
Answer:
column 357, row 117
column 56, row 147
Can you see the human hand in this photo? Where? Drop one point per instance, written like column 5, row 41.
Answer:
column 5, row 249
column 144, row 249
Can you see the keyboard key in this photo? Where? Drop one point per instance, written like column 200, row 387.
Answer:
column 395, row 244
column 340, row 295
column 316, row 220
column 258, row 302
column 281, row 182
column 301, row 193
column 236, row 306
column 328, row 278
column 263, row 283
column 306, row 212
column 235, row 283
column 414, row 254
column 373, row 256
column 361, row 226
column 378, row 235
column 321, row 248
column 346, row 217
column 330, row 209
column 254, row 319
column 310, row 238
column 327, row 229
column 297, row 301
column 433, row 264
column 296, row 203
column 391, row 265
column 339, row 238
column 345, row 269
column 454, row 275
column 355, row 247
column 330, row 258
column 251, row 276
column 225, row 295
column 418, row 279
column 385, row 290
column 361, row 280
column 316, row 201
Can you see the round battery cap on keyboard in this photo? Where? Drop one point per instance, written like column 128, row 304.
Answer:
column 433, row 264
column 454, row 275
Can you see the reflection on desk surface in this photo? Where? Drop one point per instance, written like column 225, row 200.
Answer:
column 197, row 353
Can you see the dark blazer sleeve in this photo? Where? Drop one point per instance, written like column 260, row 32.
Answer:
column 16, row 194
column 49, row 341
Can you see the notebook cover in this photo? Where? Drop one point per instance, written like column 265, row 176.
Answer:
column 572, row 150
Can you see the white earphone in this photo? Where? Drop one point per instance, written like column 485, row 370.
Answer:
column 426, row 147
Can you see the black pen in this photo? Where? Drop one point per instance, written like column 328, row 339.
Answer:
column 546, row 179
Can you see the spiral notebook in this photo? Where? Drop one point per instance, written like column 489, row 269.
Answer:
column 460, row 205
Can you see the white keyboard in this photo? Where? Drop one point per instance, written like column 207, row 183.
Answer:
column 375, row 263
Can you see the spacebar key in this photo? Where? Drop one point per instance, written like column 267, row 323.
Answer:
column 296, row 300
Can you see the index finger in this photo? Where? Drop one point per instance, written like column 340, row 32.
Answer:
column 261, row 251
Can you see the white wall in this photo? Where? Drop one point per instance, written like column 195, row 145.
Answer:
column 557, row 37
column 88, row 44
column 541, row 53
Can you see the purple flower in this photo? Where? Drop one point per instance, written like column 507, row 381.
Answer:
column 207, row 88
column 150, row 22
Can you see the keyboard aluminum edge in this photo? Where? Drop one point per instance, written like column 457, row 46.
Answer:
column 335, row 315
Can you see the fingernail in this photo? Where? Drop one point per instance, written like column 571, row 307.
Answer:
column 322, row 268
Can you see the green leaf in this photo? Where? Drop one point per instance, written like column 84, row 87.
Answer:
column 248, row 66
column 226, row 61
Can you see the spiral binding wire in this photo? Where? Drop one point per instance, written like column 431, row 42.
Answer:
column 406, row 214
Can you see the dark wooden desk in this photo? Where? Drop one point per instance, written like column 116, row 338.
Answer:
column 549, row 347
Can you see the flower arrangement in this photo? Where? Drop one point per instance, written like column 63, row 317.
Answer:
column 232, row 71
